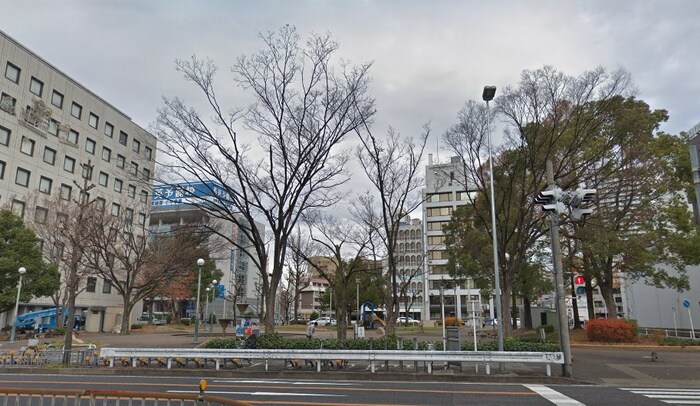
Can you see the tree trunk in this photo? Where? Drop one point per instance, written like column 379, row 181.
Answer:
column 526, row 322
column 126, row 319
column 589, row 299
column 505, row 308
column 574, row 305
column 342, row 311
column 70, row 316
column 607, row 293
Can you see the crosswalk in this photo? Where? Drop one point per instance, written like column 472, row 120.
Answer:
column 670, row 396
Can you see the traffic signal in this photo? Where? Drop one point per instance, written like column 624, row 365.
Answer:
column 579, row 285
column 550, row 200
column 580, row 197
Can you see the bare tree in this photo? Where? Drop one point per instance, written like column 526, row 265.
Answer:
column 297, row 268
column 304, row 108
column 392, row 165
column 345, row 244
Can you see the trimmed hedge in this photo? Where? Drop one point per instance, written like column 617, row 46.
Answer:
column 611, row 330
column 277, row 341
column 682, row 342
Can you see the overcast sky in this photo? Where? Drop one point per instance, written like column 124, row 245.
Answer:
column 429, row 56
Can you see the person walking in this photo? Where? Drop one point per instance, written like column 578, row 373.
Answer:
column 310, row 330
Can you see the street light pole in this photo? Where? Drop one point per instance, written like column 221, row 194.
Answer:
column 206, row 306
column 200, row 263
column 21, row 271
column 213, row 296
column 442, row 312
column 487, row 95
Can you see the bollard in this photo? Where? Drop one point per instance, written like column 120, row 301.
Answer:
column 202, row 388
column 654, row 356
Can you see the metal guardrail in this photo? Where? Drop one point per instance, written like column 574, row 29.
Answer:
column 135, row 357
column 76, row 397
column 51, row 356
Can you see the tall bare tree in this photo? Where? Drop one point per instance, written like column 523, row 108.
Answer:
column 392, row 165
column 287, row 160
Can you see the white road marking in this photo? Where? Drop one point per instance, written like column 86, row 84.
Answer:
column 286, row 382
column 671, row 395
column 553, row 396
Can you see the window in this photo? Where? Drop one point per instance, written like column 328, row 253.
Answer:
column 93, row 120
column 40, row 215
column 5, row 136
column 91, row 284
column 134, row 169
column 8, row 103
column 73, row 137
column 142, row 219
column 436, row 239
column 107, row 286
column 84, row 197
column 90, row 146
column 22, row 177
column 109, row 129
column 49, row 156
column 66, row 191
column 36, row 86
column 87, row 172
column 148, row 152
column 53, row 127
column 144, row 196
column 27, row 146
column 118, row 185
column 18, row 208
column 45, row 185
column 146, row 174
column 131, row 191
column 100, row 203
column 76, row 110
column 12, row 72
column 120, row 161
column 106, row 154
column 129, row 214
column 104, row 179
column 439, row 211
column 116, row 209
column 57, row 99
column 136, row 146
column 69, row 164
column 123, row 137
column 440, row 197
column 2, row 169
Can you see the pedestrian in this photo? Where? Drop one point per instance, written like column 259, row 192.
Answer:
column 310, row 329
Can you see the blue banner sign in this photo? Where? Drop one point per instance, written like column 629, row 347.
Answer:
column 188, row 193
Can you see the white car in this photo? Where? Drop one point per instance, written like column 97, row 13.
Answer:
column 406, row 320
column 323, row 321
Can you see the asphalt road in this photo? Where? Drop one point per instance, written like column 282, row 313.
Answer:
column 379, row 393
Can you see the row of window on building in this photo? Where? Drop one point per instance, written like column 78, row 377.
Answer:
column 36, row 87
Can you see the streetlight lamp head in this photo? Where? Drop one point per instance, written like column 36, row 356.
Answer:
column 489, row 93
column 213, row 282
column 22, row 270
column 207, row 289
column 200, row 262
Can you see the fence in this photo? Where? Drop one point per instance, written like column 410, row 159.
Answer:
column 75, row 397
column 135, row 357
column 37, row 357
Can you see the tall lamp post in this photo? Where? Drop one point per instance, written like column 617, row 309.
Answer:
column 213, row 296
column 22, row 271
column 200, row 263
column 487, row 95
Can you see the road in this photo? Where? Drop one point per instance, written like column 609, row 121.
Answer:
column 345, row 393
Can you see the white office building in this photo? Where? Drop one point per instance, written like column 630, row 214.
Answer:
column 50, row 124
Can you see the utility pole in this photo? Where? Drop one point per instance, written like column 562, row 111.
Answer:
column 559, row 281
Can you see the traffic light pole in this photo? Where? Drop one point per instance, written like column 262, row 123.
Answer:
column 559, row 282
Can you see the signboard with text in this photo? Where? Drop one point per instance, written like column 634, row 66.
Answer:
column 188, row 193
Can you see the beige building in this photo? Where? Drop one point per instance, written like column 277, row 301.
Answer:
column 50, row 124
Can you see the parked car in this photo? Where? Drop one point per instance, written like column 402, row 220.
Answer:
column 323, row 321
column 406, row 320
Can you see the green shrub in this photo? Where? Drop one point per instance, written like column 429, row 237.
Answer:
column 610, row 330
column 548, row 328
column 136, row 326
column 682, row 342
column 169, row 318
column 514, row 344
column 59, row 331
column 185, row 322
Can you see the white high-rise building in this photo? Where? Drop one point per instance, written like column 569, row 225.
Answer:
column 50, row 124
column 444, row 191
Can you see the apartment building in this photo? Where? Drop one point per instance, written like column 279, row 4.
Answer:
column 50, row 125
column 171, row 208
column 410, row 267
column 446, row 188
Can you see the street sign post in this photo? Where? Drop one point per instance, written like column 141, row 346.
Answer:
column 686, row 304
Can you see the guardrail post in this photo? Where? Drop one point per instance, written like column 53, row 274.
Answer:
column 217, row 364
column 488, row 369
column 415, row 348
column 170, row 362
column 111, row 362
column 549, row 370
